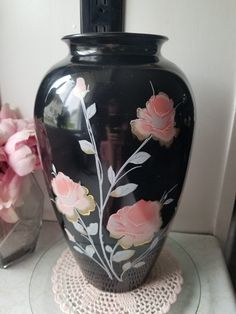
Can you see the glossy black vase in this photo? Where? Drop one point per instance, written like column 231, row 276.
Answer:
column 115, row 123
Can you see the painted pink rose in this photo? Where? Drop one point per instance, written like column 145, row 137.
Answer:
column 135, row 224
column 156, row 120
column 22, row 150
column 10, row 188
column 80, row 89
column 71, row 196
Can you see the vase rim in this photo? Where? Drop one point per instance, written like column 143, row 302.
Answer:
column 77, row 38
column 117, row 43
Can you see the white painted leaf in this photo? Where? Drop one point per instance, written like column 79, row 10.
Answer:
column 126, row 266
column 54, row 168
column 70, row 236
column 87, row 147
column 108, row 248
column 170, row 200
column 139, row 158
column 124, row 190
column 122, row 255
column 90, row 250
column 91, row 110
column 78, row 249
column 140, row 264
column 111, row 175
column 92, row 229
column 79, row 227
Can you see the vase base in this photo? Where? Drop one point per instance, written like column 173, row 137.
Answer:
column 158, row 292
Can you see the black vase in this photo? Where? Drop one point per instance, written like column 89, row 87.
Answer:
column 115, row 123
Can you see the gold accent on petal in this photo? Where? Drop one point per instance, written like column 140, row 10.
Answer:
column 91, row 207
column 73, row 218
column 86, row 191
column 140, row 136
column 125, row 247
column 143, row 243
column 138, row 112
column 135, row 245
column 114, row 236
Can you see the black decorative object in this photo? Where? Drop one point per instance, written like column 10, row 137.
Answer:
column 115, row 123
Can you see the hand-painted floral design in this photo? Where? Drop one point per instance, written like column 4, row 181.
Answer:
column 156, row 120
column 135, row 224
column 72, row 197
column 132, row 225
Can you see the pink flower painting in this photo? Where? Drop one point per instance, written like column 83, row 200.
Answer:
column 133, row 225
column 71, row 196
column 156, row 120
column 136, row 224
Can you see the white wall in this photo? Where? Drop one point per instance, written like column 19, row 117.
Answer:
column 202, row 43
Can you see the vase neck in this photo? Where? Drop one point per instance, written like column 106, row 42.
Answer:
column 119, row 44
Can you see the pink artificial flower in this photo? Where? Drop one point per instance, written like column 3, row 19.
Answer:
column 80, row 89
column 135, row 224
column 7, row 113
column 71, row 196
column 10, row 124
column 157, row 120
column 24, row 124
column 22, row 152
column 7, row 129
column 10, row 186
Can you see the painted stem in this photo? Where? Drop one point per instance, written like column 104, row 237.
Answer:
column 83, row 250
column 97, row 161
column 122, row 168
column 92, row 243
column 165, row 194
column 111, row 263
column 149, row 249
column 100, row 178
column 103, row 204
column 127, row 173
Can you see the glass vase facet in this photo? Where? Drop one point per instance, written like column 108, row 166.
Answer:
column 20, row 238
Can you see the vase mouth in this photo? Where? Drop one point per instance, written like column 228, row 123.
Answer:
column 113, row 35
column 115, row 43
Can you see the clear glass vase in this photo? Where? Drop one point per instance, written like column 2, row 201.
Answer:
column 20, row 238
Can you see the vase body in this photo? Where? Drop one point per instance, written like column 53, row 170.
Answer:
column 115, row 123
column 20, row 238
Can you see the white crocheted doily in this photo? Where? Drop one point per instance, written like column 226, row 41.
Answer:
column 75, row 295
